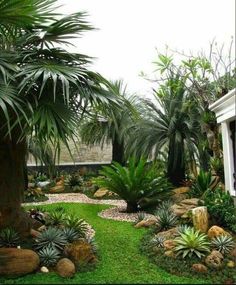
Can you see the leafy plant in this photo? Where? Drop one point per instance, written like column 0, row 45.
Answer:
column 73, row 180
column 140, row 217
column 56, row 218
column 48, row 256
column 34, row 195
column 52, row 237
column 9, row 238
column 166, row 219
column 72, row 221
column 204, row 181
column 192, row 242
column 157, row 241
column 138, row 183
column 71, row 234
column 182, row 228
column 223, row 243
column 93, row 244
column 218, row 167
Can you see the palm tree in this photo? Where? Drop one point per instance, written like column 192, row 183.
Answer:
column 169, row 123
column 104, row 125
column 43, row 89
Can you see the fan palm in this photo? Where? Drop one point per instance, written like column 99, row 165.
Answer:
column 170, row 122
column 43, row 90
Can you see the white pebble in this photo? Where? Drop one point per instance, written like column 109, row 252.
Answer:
column 44, row 269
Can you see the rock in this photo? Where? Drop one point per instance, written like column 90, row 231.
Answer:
column 214, row 259
column 17, row 262
column 198, row 267
column 60, row 182
column 184, row 206
column 181, row 190
column 34, row 233
column 65, row 267
column 146, row 223
column 170, row 253
column 216, row 231
column 43, row 184
column 231, row 264
column 179, row 194
column 42, row 228
column 101, row 192
column 44, row 269
column 80, row 252
column 169, row 234
column 233, row 253
column 200, row 219
column 57, row 189
column 169, row 244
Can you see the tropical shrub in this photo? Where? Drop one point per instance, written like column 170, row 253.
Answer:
column 157, row 241
column 220, row 206
column 223, row 243
column 73, row 180
column 34, row 195
column 192, row 242
column 51, row 237
column 204, row 181
column 48, row 256
column 56, row 218
column 137, row 183
column 73, row 222
column 9, row 238
column 71, row 234
column 166, row 219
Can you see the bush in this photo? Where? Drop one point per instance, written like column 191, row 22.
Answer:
column 72, row 222
column 166, row 219
column 48, row 256
column 138, row 184
column 34, row 195
column 9, row 238
column 223, row 243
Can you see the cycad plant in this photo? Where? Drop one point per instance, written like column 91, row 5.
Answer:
column 137, row 183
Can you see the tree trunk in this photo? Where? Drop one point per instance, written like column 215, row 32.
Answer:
column 118, row 151
column 12, row 185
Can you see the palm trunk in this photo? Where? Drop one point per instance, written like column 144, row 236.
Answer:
column 131, row 207
column 118, row 151
column 12, row 185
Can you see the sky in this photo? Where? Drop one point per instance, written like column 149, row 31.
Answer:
column 129, row 33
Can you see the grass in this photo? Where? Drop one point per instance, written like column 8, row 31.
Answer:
column 121, row 262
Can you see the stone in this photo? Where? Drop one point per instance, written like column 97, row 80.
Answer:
column 231, row 264
column 184, row 206
column 214, row 259
column 216, row 231
column 200, row 268
column 42, row 228
column 233, row 253
column 169, row 244
column 43, row 184
column 181, row 190
column 17, row 262
column 200, row 219
column 34, row 233
column 44, row 269
column 100, row 193
column 179, row 194
column 57, row 189
column 65, row 267
column 60, row 182
column 146, row 223
column 80, row 252
column 170, row 253
column 169, row 234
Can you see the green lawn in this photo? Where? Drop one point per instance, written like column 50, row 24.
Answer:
column 120, row 259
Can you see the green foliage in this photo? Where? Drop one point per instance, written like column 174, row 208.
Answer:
column 73, row 222
column 223, row 243
column 157, row 241
column 52, row 237
column 73, row 180
column 71, row 234
column 34, row 195
column 218, row 167
column 138, row 183
column 9, row 238
column 56, row 218
column 182, row 228
column 166, row 219
column 203, row 182
column 220, row 206
column 192, row 242
column 140, row 217
column 48, row 256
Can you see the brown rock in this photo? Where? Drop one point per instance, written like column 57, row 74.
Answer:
column 169, row 234
column 233, row 253
column 198, row 267
column 42, row 228
column 57, row 189
column 101, row 193
column 34, row 233
column 216, row 231
column 17, row 262
column 170, row 253
column 184, row 206
column 146, row 223
column 65, row 267
column 80, row 252
column 179, row 194
column 200, row 219
column 214, row 259
column 169, row 244
column 181, row 190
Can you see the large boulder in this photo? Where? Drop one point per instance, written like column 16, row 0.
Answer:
column 185, row 206
column 214, row 259
column 100, row 193
column 179, row 194
column 80, row 252
column 17, row 262
column 200, row 268
column 57, row 189
column 216, row 231
column 169, row 244
column 169, row 234
column 146, row 223
column 65, row 267
column 200, row 218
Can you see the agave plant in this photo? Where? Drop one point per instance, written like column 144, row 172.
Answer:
column 93, row 244
column 53, row 237
column 192, row 242
column 182, row 228
column 138, row 183
column 56, row 218
column 9, row 238
column 73, row 222
column 157, row 241
column 48, row 256
column 223, row 243
column 166, row 219
column 71, row 234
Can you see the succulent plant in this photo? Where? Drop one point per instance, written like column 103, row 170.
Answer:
column 9, row 238
column 48, row 256
column 92, row 242
column 166, row 219
column 140, row 217
column 157, row 241
column 72, row 221
column 56, row 218
column 165, row 205
column 71, row 234
column 223, row 243
column 53, row 237
column 182, row 228
column 192, row 242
